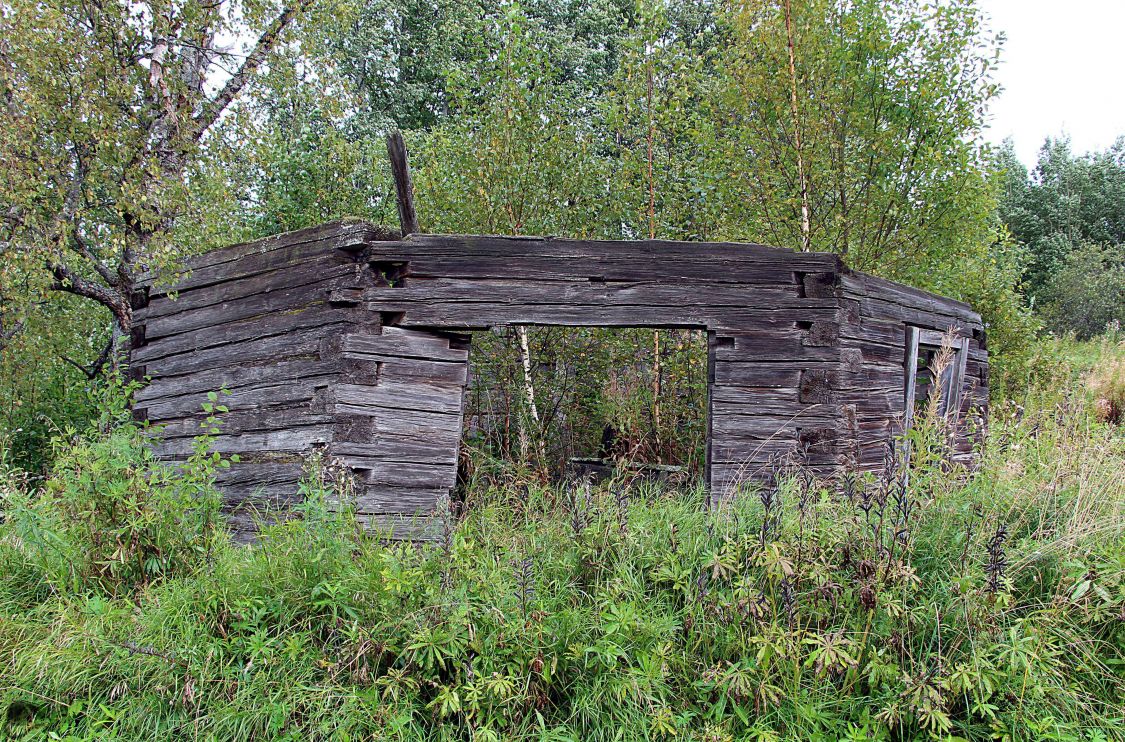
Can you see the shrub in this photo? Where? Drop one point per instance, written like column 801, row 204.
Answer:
column 1107, row 381
column 1088, row 291
column 40, row 393
column 109, row 516
column 920, row 602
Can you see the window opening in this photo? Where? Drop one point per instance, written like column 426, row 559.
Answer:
column 605, row 397
column 923, row 348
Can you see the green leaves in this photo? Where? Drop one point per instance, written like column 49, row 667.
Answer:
column 111, row 518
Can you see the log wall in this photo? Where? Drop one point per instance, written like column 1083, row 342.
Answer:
column 876, row 315
column 347, row 340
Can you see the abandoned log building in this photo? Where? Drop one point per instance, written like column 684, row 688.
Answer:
column 347, row 339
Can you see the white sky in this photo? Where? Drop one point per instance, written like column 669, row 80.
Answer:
column 1062, row 69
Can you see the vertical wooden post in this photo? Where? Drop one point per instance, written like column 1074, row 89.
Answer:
column 404, row 189
column 912, row 338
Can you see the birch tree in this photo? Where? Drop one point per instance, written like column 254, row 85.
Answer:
column 105, row 107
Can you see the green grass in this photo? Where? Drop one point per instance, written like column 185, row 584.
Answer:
column 986, row 606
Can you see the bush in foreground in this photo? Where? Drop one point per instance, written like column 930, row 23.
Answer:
column 936, row 605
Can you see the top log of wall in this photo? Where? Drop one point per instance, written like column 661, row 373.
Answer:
column 344, row 339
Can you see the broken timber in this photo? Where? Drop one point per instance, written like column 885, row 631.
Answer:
column 349, row 340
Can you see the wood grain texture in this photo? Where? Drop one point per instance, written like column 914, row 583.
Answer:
column 348, row 341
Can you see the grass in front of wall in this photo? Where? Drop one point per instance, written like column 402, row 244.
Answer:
column 942, row 605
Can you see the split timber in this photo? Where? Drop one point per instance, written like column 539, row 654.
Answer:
column 348, row 340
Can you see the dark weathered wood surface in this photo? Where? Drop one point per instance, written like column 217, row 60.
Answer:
column 346, row 340
column 404, row 188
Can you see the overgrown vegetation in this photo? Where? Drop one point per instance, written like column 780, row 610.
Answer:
column 1068, row 213
column 922, row 602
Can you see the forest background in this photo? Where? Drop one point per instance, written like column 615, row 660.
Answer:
column 136, row 135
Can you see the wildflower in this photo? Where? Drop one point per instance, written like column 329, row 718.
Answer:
column 524, row 570
column 867, row 597
column 849, row 486
column 788, row 598
column 997, row 563
column 580, row 509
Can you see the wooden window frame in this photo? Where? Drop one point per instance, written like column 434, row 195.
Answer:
column 918, row 338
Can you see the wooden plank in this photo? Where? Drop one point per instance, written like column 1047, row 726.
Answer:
column 296, row 439
column 767, row 426
column 749, row 405
column 427, row 448
column 734, row 396
column 758, row 375
column 593, row 267
column 302, row 344
column 519, row 291
column 309, row 271
column 397, row 368
column 889, row 332
column 249, row 473
column 238, row 376
column 390, row 473
column 868, row 286
column 404, row 343
column 332, row 252
column 933, row 318
column 404, row 188
column 254, row 328
column 403, row 501
column 644, row 251
column 264, row 395
column 335, row 235
column 482, row 315
column 911, row 375
column 275, row 417
column 957, row 378
column 876, row 353
column 397, row 429
column 397, row 395
column 257, row 305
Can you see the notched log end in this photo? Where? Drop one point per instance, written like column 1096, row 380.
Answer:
column 383, row 233
column 354, row 428
column 818, row 440
column 389, row 273
column 355, row 371
column 354, row 244
column 819, row 334
column 137, row 372
column 817, row 386
column 391, row 319
column 139, row 298
column 349, row 297
column 817, row 285
column 137, row 336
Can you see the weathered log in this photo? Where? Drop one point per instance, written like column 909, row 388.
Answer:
column 344, row 339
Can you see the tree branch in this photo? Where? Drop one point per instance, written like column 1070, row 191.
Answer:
column 67, row 280
column 7, row 333
column 266, row 42
column 94, row 370
column 79, row 245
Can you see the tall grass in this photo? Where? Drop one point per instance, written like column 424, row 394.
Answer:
column 921, row 602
